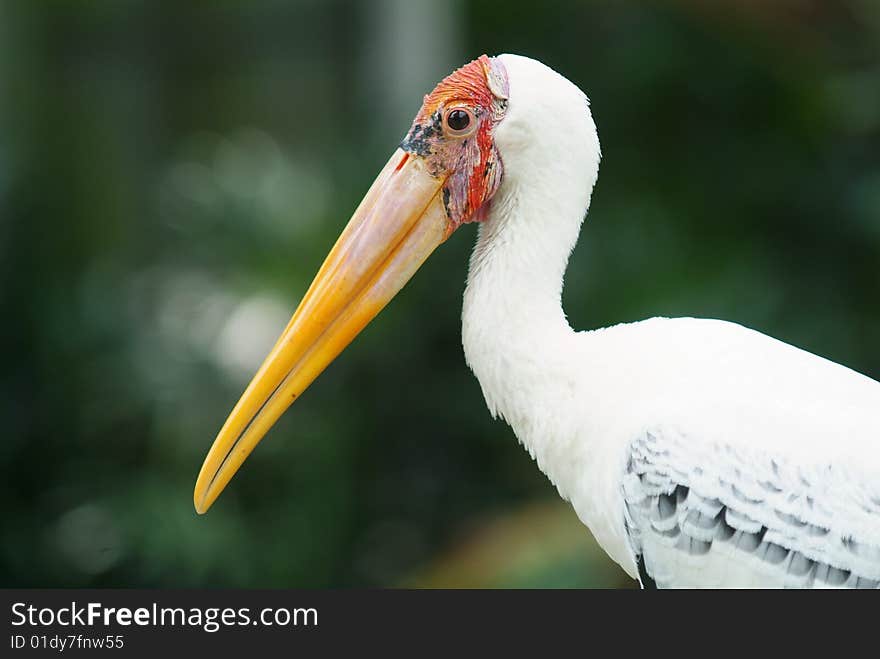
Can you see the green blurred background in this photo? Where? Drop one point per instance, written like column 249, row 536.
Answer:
column 172, row 174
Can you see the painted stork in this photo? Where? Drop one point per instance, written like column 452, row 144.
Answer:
column 698, row 452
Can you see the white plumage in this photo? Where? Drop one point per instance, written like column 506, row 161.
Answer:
column 698, row 452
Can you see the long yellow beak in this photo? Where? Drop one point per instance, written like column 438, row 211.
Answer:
column 396, row 227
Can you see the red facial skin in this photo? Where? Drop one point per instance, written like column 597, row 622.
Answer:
column 470, row 162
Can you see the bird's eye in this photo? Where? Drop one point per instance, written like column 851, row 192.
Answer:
column 459, row 122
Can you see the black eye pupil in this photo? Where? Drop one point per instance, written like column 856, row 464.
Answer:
column 458, row 120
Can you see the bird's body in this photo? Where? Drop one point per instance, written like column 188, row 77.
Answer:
column 698, row 452
column 769, row 441
column 751, row 434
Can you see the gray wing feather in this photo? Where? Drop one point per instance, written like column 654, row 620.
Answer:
column 715, row 517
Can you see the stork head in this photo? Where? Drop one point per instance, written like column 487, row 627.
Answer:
column 454, row 134
column 444, row 174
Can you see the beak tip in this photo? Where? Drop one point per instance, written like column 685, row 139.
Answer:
column 201, row 507
column 201, row 502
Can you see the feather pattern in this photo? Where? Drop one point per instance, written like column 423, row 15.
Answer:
column 711, row 533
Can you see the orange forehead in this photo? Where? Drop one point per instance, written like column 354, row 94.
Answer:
column 472, row 84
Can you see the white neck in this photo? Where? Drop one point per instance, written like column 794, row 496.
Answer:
column 514, row 331
column 515, row 335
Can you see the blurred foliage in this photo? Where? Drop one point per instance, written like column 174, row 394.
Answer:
column 172, row 174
